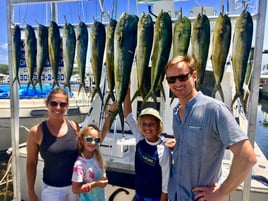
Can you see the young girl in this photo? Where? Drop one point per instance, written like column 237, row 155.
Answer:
column 152, row 158
column 89, row 177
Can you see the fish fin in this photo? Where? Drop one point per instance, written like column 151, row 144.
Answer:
column 69, row 87
column 219, row 89
column 244, row 103
column 163, row 91
column 93, row 94
column 135, row 95
column 172, row 99
column 213, row 94
column 30, row 82
column 151, row 94
column 14, row 80
column 82, row 85
column 79, row 89
column 221, row 92
column 234, row 99
column 112, row 96
column 121, row 116
column 40, row 83
column 107, row 101
column 100, row 93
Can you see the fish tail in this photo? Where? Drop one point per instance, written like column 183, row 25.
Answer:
column 121, row 116
column 93, row 94
column 215, row 89
column 30, row 82
column 40, row 83
column 68, row 85
column 112, row 96
column 107, row 101
column 221, row 92
column 82, row 85
column 151, row 94
column 100, row 93
column 14, row 80
column 218, row 88
column 135, row 95
column 163, row 91
column 234, row 99
column 79, row 89
column 244, row 103
column 172, row 99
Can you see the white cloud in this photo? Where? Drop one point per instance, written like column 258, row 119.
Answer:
column 3, row 46
column 3, row 53
column 3, row 57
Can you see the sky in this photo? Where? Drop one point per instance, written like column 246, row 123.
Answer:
column 87, row 9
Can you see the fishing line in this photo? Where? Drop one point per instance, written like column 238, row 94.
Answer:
column 25, row 12
column 83, row 10
column 114, row 9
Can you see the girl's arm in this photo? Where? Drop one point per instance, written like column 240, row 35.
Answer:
column 79, row 187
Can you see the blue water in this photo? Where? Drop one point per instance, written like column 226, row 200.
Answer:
column 30, row 93
column 262, row 126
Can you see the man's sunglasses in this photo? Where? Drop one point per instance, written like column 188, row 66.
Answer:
column 90, row 139
column 182, row 78
column 54, row 104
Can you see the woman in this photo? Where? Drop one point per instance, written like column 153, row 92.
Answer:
column 56, row 140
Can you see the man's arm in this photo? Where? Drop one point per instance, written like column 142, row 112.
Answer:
column 243, row 160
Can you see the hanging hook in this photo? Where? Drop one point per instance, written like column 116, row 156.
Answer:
column 150, row 11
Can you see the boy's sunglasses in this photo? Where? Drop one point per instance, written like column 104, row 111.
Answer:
column 182, row 78
column 54, row 104
column 90, row 139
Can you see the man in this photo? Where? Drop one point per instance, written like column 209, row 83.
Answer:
column 203, row 127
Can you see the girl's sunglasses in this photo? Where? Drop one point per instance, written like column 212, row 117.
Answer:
column 91, row 139
column 182, row 78
column 54, row 104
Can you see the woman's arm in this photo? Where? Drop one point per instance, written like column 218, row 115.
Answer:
column 32, row 159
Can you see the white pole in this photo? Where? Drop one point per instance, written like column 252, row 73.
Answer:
column 14, row 110
column 255, row 79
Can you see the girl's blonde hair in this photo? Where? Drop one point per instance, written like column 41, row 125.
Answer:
column 83, row 133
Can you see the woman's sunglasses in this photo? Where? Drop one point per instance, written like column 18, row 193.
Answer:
column 54, row 104
column 90, row 139
column 182, row 78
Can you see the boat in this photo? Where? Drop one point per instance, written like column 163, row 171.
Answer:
column 264, row 85
column 32, row 111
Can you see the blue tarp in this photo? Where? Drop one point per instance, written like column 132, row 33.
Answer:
column 30, row 93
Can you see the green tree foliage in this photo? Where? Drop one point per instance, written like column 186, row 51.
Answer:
column 4, row 69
